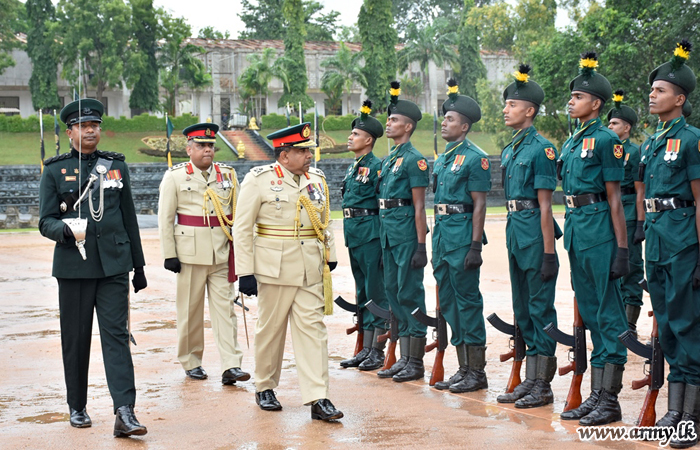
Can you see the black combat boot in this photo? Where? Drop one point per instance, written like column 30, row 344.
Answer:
column 375, row 359
column 691, row 413
column 608, row 408
column 414, row 370
column 404, row 348
column 541, row 394
column 676, row 394
column 523, row 388
column 356, row 360
column 589, row 404
column 632, row 312
column 476, row 377
column 460, row 374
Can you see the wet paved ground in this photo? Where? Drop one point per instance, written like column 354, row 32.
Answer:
column 183, row 413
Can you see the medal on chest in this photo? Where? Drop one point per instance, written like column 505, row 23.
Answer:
column 587, row 148
column 627, row 157
column 397, row 164
column 315, row 191
column 457, row 164
column 362, row 175
column 673, row 146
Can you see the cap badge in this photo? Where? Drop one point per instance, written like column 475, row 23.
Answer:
column 207, row 132
column 87, row 111
column 306, row 132
column 585, row 83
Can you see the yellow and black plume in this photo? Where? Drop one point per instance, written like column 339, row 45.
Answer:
column 522, row 76
column 452, row 89
column 617, row 98
column 681, row 54
column 366, row 109
column 588, row 63
column 395, row 91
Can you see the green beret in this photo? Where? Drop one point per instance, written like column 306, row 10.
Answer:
column 523, row 88
column 402, row 107
column 687, row 109
column 290, row 136
column 676, row 71
column 462, row 104
column 202, row 132
column 620, row 111
column 368, row 123
column 84, row 110
column 589, row 80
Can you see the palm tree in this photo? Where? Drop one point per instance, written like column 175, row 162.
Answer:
column 431, row 43
column 255, row 79
column 342, row 71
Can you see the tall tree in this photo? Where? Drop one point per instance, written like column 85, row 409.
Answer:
column 143, row 66
column 379, row 38
column 496, row 26
column 471, row 68
column 211, row 33
column 319, row 26
column 408, row 13
column 43, row 84
column 255, row 80
column 264, row 19
column 12, row 21
column 295, row 67
column 343, row 69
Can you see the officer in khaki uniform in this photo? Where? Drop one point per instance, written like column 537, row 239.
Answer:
column 671, row 173
column 202, row 195
column 284, row 254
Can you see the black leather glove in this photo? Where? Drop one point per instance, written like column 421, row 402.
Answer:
column 332, row 265
column 621, row 265
column 560, row 166
column 696, row 277
column 67, row 232
column 139, row 280
column 419, row 258
column 473, row 259
column 248, row 285
column 639, row 232
column 172, row 264
column 549, row 269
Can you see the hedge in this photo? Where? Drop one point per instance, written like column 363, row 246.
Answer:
column 141, row 123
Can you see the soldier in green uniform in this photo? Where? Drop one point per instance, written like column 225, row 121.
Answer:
column 403, row 179
column 361, row 230
column 596, row 239
column 87, row 208
column 671, row 166
column 529, row 178
column 461, row 179
column 621, row 120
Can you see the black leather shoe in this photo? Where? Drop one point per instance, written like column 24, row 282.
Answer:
column 584, row 409
column 323, row 409
column 454, row 379
column 373, row 361
column 126, row 423
column 606, row 411
column 80, row 419
column 519, row 392
column 356, row 360
column 541, row 394
column 685, row 439
column 234, row 374
column 393, row 370
column 670, row 419
column 197, row 373
column 414, row 370
column 267, row 400
column 474, row 381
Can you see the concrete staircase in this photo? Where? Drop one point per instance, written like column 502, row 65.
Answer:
column 256, row 147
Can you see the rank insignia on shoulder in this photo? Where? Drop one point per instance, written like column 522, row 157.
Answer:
column 422, row 165
column 618, row 151
column 551, row 154
column 485, row 163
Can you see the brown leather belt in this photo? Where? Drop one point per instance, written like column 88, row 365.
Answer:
column 199, row 221
column 576, row 201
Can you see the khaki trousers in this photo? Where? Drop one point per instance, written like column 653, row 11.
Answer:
column 191, row 282
column 303, row 307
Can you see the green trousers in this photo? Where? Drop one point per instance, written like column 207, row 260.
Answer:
column 631, row 290
column 369, row 281
column 677, row 311
column 599, row 300
column 404, row 287
column 108, row 297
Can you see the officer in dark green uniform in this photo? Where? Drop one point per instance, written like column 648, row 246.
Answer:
column 596, row 239
column 621, row 120
column 672, row 195
column 87, row 208
column 361, row 230
column 530, row 177
column 403, row 179
column 461, row 179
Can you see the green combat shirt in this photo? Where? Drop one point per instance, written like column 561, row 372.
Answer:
column 665, row 178
column 462, row 169
column 402, row 170
column 529, row 164
column 359, row 191
column 587, row 175
column 632, row 158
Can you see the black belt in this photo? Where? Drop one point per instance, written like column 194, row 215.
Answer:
column 388, row 203
column 359, row 212
column 665, row 204
column 575, row 201
column 442, row 209
column 521, row 205
column 627, row 191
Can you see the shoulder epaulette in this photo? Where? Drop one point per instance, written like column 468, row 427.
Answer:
column 178, row 166
column 111, row 155
column 261, row 169
column 477, row 149
column 694, row 130
column 317, row 171
column 53, row 159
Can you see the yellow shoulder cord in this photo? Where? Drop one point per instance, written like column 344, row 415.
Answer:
column 218, row 202
column 320, row 229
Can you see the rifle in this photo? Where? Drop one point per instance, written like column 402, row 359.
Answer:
column 392, row 335
column 516, row 343
column 357, row 314
column 577, row 355
column 440, row 335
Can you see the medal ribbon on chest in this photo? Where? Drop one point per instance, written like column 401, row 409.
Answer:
column 587, row 148
column 397, row 164
column 362, row 174
column 457, row 164
column 673, row 146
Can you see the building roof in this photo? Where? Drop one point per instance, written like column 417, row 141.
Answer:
column 277, row 44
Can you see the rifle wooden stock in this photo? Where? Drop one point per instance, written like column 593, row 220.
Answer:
column 568, row 368
column 638, row 384
column 573, row 399
column 352, row 329
column 647, row 418
column 384, row 337
column 390, row 358
column 430, row 347
column 506, row 356
column 514, row 379
column 359, row 342
column 438, row 373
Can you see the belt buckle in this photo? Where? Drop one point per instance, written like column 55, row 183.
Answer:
column 649, row 205
column 382, row 204
column 347, row 213
column 570, row 201
column 511, row 205
column 442, row 209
